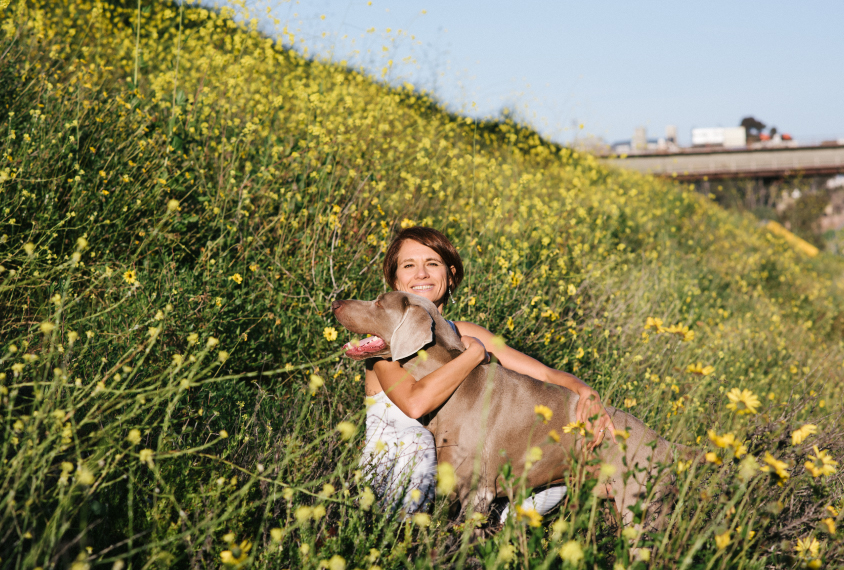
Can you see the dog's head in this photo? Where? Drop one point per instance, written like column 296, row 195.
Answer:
column 398, row 324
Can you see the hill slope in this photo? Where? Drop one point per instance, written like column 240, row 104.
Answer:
column 181, row 201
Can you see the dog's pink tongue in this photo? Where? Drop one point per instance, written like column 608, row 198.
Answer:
column 365, row 346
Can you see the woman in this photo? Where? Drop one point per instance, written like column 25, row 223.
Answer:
column 401, row 451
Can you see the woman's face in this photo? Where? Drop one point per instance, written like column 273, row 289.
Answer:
column 422, row 271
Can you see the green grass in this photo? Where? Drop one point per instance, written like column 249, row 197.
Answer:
column 128, row 206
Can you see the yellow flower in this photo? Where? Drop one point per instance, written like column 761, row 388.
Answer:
column 579, row 354
column 134, row 436
column 653, row 323
column 713, row 457
column 366, row 499
column 722, row 540
column 777, row 467
column 629, row 402
column 129, row 276
column 506, row 553
column 236, row 278
column 347, row 430
column 446, row 478
column 530, row 516
column 303, row 514
column 543, row 411
column 830, row 525
column 327, row 490
column 276, row 534
column 700, row 369
column 681, row 331
column 237, row 555
column 748, row 468
column 728, row 440
column 571, row 552
column 173, row 206
column 47, row 327
column 800, row 434
column 29, row 248
column 407, row 223
column 253, row 267
column 575, row 427
column 193, row 338
column 807, row 548
column 145, row 456
column 330, row 333
column 510, row 324
column 534, row 454
column 315, row 384
column 421, row 520
column 743, row 401
column 821, row 464
column 337, row 562
column 554, row 435
column 84, row 476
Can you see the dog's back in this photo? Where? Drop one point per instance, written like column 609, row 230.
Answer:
column 490, row 420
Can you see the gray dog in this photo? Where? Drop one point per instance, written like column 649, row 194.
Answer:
column 490, row 419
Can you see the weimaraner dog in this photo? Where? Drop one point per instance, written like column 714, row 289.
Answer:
column 490, row 419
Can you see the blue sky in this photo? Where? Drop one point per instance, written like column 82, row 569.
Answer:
column 611, row 65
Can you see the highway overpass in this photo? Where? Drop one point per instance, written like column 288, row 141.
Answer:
column 693, row 164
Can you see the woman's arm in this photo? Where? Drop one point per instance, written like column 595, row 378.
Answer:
column 416, row 399
column 589, row 405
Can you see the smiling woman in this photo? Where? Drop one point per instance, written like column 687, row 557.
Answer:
column 399, row 450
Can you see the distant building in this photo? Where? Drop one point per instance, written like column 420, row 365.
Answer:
column 641, row 144
column 726, row 137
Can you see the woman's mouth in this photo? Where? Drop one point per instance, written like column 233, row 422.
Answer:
column 420, row 288
column 369, row 345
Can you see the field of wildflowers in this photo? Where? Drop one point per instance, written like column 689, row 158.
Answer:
column 181, row 198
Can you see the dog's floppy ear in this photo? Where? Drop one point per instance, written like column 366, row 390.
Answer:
column 414, row 332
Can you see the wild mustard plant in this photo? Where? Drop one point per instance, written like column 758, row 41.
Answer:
column 181, row 198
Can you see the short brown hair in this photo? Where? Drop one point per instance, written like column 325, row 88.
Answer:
column 428, row 237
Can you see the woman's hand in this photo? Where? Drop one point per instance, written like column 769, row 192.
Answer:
column 588, row 406
column 475, row 346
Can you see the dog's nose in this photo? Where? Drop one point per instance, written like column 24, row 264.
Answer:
column 336, row 306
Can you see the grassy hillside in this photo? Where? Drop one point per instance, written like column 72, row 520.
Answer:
column 180, row 202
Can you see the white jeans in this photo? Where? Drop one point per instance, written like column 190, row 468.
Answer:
column 400, row 457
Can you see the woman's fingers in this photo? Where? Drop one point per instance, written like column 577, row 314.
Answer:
column 602, row 427
column 469, row 342
column 589, row 406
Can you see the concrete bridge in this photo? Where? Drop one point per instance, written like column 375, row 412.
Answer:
column 711, row 164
